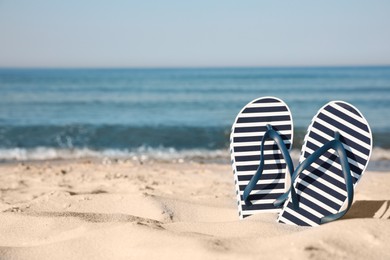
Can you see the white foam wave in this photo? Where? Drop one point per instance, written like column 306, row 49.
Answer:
column 380, row 154
column 141, row 153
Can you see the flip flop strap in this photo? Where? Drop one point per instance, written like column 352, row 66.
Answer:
column 273, row 135
column 337, row 145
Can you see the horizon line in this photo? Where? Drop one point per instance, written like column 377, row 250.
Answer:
column 200, row 67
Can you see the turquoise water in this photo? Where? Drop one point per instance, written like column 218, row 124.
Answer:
column 180, row 109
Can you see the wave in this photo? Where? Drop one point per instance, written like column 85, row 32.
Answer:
column 142, row 153
column 121, row 137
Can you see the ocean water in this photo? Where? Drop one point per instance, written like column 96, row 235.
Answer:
column 168, row 113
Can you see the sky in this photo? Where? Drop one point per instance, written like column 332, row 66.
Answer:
column 201, row 33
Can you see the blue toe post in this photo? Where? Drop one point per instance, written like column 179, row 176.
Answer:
column 337, row 145
column 273, row 135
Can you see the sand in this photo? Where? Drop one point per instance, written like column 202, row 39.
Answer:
column 94, row 209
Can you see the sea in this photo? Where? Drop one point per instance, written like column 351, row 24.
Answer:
column 169, row 114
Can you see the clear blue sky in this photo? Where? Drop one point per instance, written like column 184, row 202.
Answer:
column 177, row 33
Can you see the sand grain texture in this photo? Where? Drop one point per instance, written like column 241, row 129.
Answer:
column 157, row 210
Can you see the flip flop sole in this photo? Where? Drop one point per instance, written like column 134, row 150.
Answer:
column 245, row 144
column 321, row 187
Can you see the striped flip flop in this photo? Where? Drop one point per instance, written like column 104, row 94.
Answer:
column 334, row 156
column 259, row 143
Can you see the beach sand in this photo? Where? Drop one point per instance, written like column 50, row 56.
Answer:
column 105, row 209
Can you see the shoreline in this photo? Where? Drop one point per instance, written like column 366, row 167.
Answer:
column 379, row 162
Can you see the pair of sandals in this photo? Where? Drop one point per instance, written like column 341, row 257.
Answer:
column 334, row 156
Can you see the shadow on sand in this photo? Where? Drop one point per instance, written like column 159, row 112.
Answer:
column 379, row 209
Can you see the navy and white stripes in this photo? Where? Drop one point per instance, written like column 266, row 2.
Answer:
column 245, row 141
column 321, row 187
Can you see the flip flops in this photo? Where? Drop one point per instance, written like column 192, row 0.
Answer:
column 260, row 139
column 334, row 156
